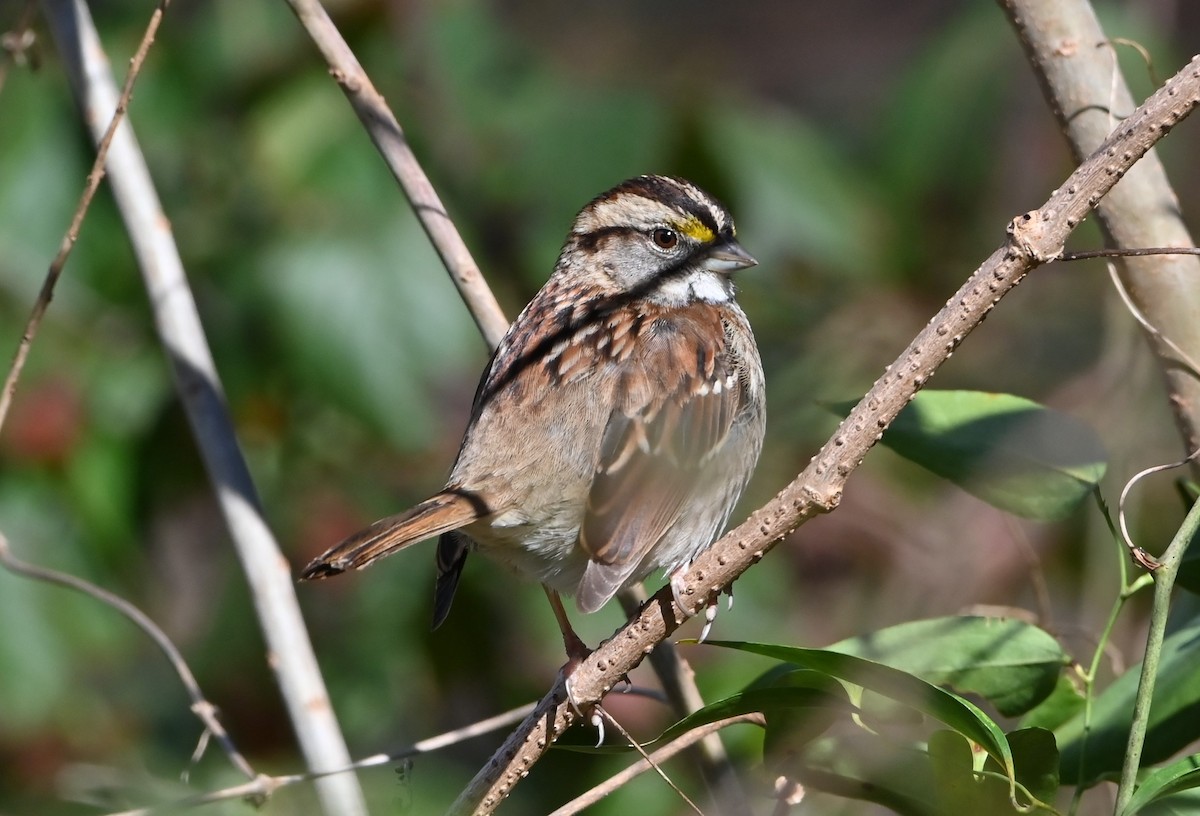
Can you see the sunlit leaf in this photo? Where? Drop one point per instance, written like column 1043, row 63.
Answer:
column 1065, row 702
column 1009, row 451
column 1013, row 664
column 959, row 714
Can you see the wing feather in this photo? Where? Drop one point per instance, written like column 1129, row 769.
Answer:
column 679, row 401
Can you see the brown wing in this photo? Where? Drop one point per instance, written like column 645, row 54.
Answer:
column 679, row 398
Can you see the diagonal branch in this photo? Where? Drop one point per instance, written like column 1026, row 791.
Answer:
column 385, row 131
column 199, row 388
column 692, row 737
column 1033, row 239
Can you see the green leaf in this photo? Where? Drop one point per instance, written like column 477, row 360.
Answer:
column 1009, row 451
column 1013, row 664
column 947, row 708
column 960, row 789
column 1181, row 775
column 820, row 701
column 1035, row 755
column 811, row 697
column 1173, row 714
column 1181, row 804
column 1065, row 702
column 860, row 765
column 805, row 693
column 956, row 787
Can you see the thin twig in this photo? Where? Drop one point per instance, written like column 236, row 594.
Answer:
column 1139, row 252
column 201, row 707
column 94, row 177
column 1145, row 323
column 649, row 760
column 177, row 321
column 679, row 683
column 389, row 138
column 1034, row 239
column 657, row 758
column 1139, row 555
column 262, row 786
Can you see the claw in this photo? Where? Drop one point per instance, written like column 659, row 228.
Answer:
column 597, row 720
column 710, row 615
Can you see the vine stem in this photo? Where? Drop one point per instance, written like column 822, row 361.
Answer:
column 1164, row 582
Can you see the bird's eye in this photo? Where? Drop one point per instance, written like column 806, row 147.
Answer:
column 665, row 238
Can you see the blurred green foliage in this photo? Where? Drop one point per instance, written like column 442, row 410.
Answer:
column 872, row 153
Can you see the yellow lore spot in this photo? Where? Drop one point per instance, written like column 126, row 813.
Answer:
column 695, row 230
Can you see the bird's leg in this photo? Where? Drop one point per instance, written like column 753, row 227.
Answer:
column 577, row 650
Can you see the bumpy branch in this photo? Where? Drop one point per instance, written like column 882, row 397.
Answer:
column 1033, row 239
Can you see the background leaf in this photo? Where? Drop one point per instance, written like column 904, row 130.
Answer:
column 1009, row 451
column 1174, row 714
column 1164, row 783
column 1013, row 664
column 943, row 706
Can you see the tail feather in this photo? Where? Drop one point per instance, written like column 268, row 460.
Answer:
column 440, row 514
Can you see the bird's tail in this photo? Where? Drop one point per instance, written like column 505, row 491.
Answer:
column 448, row 510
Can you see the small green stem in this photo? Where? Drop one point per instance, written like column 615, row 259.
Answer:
column 1127, row 591
column 1164, row 582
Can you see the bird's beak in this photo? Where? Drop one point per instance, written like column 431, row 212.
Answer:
column 728, row 257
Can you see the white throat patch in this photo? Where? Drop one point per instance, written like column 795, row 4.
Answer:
column 698, row 285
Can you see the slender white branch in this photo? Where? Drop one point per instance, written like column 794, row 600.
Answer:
column 182, row 336
column 385, row 131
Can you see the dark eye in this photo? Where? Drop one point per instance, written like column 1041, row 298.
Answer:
column 664, row 238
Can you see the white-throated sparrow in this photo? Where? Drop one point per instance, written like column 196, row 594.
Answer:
column 618, row 421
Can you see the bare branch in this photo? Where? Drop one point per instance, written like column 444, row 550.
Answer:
column 1033, row 239
column 95, row 176
column 261, row 787
column 1076, row 65
column 178, row 324
column 201, row 707
column 385, row 131
column 696, row 735
column 679, row 683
